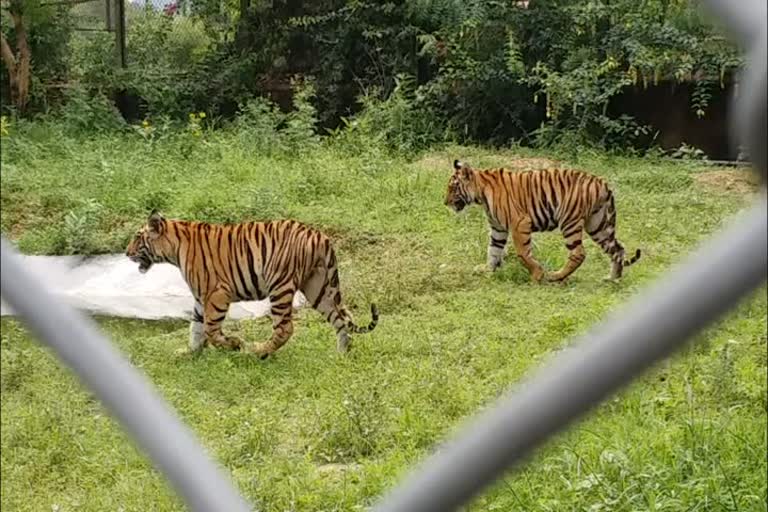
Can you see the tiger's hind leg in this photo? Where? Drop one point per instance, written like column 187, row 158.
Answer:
column 601, row 227
column 281, row 310
column 572, row 232
column 338, row 318
column 521, row 237
column 322, row 294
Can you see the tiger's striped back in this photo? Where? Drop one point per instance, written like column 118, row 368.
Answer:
column 253, row 258
column 550, row 197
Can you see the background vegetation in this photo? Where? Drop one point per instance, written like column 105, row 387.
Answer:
column 468, row 71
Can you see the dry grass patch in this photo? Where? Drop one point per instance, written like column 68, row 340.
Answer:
column 738, row 181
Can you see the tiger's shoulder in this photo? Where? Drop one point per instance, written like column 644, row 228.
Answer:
column 527, row 172
column 554, row 170
column 282, row 224
column 294, row 229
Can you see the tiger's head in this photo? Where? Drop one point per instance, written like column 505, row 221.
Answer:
column 462, row 189
column 151, row 243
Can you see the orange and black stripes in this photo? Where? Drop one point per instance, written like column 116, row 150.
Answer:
column 521, row 203
column 249, row 261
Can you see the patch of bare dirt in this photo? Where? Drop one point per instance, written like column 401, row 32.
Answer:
column 737, row 181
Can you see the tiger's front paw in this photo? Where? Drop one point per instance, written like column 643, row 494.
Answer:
column 234, row 343
column 186, row 352
column 552, row 277
column 482, row 269
column 262, row 350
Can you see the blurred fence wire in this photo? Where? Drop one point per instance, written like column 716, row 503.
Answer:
column 657, row 322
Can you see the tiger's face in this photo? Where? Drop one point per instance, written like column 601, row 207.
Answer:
column 150, row 243
column 461, row 187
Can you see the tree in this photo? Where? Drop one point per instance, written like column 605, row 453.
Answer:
column 33, row 45
column 18, row 63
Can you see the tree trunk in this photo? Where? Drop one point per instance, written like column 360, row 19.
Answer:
column 242, row 37
column 19, row 64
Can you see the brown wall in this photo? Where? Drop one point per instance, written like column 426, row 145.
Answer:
column 667, row 108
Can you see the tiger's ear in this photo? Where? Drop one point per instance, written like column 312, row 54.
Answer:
column 463, row 169
column 156, row 223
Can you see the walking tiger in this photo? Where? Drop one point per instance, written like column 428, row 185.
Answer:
column 249, row 261
column 525, row 202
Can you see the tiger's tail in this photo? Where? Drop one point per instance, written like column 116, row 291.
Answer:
column 368, row 328
column 345, row 320
column 612, row 223
column 633, row 259
column 602, row 229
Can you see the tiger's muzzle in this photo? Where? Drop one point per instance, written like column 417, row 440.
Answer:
column 138, row 253
column 455, row 203
column 144, row 261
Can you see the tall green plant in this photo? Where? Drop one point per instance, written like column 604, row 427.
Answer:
column 608, row 46
column 480, row 71
column 402, row 122
column 33, row 37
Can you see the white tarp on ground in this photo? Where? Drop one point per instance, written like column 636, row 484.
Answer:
column 112, row 285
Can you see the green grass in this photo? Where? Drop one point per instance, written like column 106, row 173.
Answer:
column 311, row 430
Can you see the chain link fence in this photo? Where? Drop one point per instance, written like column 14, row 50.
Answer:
column 91, row 17
column 176, row 17
column 648, row 329
column 170, row 8
column 95, row 16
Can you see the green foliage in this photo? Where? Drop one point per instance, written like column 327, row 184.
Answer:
column 89, row 112
column 48, row 25
column 687, row 152
column 92, row 62
column 256, row 125
column 606, row 47
column 166, row 56
column 300, row 123
column 78, row 228
column 490, row 72
column 402, row 122
column 478, row 65
column 263, row 129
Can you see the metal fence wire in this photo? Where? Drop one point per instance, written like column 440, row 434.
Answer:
column 652, row 326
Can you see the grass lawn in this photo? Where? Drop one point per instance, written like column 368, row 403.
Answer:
column 312, row 430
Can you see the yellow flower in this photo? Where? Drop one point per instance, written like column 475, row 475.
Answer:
column 192, row 116
column 202, row 115
column 145, row 123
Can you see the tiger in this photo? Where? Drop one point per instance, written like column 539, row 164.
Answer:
column 524, row 202
column 226, row 263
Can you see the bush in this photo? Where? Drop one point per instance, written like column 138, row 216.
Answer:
column 411, row 73
column 89, row 112
column 402, row 122
column 256, row 125
column 300, row 129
